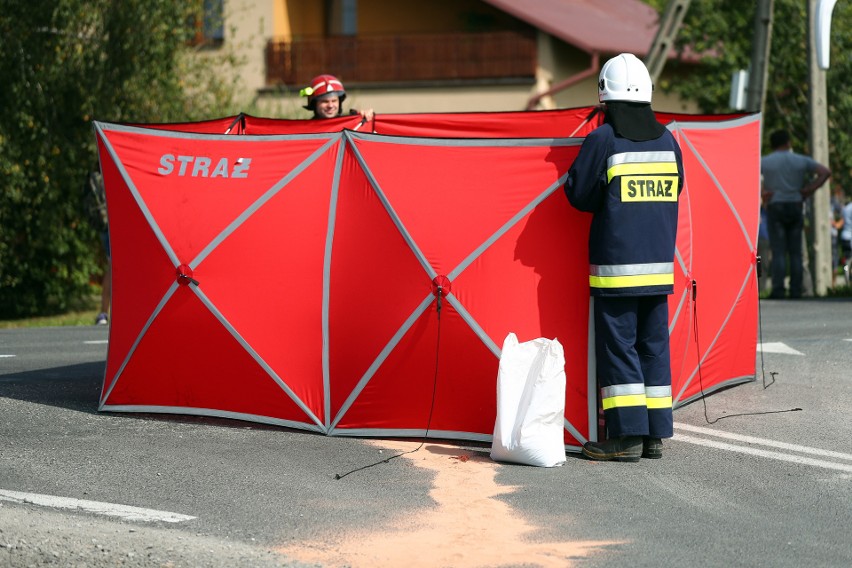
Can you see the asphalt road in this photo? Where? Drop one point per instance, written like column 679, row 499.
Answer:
column 748, row 480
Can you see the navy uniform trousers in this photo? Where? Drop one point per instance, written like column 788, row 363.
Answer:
column 633, row 365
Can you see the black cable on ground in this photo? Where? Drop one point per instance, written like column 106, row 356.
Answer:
column 698, row 354
column 431, row 406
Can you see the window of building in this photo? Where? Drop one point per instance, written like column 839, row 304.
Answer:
column 208, row 23
column 342, row 17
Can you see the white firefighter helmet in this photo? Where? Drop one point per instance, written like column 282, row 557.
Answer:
column 625, row 78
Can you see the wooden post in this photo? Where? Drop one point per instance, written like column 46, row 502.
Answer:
column 821, row 267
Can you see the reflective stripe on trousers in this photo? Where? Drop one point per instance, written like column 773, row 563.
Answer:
column 633, row 365
column 635, row 394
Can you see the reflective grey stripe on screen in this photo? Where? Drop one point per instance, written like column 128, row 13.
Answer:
column 640, row 157
column 409, row 240
column 377, row 362
column 464, row 143
column 101, row 127
column 622, row 390
column 326, row 281
column 631, row 269
column 172, row 288
column 255, row 355
column 709, row 349
column 258, row 203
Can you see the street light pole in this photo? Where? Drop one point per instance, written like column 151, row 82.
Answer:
column 756, row 93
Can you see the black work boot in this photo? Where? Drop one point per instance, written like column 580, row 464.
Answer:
column 628, row 449
column 652, row 448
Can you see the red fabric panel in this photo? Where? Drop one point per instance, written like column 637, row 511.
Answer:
column 667, row 117
column 259, row 125
column 176, row 198
column 681, row 334
column 246, row 288
column 534, row 281
column 723, row 172
column 561, row 123
column 450, row 212
column 141, row 270
column 399, row 394
column 376, row 283
column 521, row 124
column 214, row 126
column 188, row 359
column 247, row 124
column 267, row 278
column 451, row 200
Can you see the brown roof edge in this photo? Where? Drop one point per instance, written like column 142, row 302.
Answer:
column 605, row 27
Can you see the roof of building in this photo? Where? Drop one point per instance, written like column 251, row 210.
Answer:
column 602, row 26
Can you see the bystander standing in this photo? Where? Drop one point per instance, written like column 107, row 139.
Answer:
column 788, row 179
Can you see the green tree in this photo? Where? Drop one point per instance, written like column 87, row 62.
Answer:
column 722, row 30
column 64, row 63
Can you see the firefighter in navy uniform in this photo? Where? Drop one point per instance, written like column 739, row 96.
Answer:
column 629, row 174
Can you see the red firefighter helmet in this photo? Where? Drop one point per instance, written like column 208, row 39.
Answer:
column 321, row 86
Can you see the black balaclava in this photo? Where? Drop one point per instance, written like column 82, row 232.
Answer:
column 634, row 121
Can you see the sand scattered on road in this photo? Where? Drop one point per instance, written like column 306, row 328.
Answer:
column 469, row 526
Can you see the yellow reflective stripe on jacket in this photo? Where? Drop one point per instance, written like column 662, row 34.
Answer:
column 631, row 281
column 631, row 163
column 631, row 275
column 641, row 169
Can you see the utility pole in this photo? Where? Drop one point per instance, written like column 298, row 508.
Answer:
column 761, row 42
column 821, row 261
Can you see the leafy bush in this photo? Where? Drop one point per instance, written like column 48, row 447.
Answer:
column 64, row 63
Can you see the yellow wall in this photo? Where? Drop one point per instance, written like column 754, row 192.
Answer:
column 299, row 18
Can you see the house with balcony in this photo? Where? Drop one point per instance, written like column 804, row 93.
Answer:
column 399, row 56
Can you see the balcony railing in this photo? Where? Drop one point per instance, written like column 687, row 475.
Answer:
column 411, row 58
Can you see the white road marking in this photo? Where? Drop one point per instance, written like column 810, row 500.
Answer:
column 5, row 356
column 125, row 512
column 764, row 442
column 763, row 453
column 96, row 342
column 777, row 347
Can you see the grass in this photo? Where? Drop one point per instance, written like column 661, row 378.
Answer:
column 84, row 314
column 86, row 317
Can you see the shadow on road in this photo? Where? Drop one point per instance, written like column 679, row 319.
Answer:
column 76, row 387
